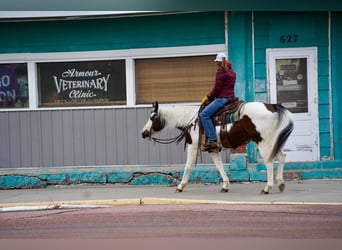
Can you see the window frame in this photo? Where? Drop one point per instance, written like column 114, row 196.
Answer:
column 21, row 108
column 129, row 55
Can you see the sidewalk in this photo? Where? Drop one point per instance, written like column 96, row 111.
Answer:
column 324, row 192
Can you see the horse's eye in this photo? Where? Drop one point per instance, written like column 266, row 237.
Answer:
column 153, row 116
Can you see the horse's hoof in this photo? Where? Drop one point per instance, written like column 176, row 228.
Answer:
column 224, row 190
column 263, row 192
column 281, row 187
column 178, row 190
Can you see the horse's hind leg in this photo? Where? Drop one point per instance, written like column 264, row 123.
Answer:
column 216, row 156
column 269, row 185
column 279, row 177
column 191, row 158
column 265, row 153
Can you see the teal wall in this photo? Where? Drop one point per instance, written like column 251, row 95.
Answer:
column 240, row 50
column 240, row 53
column 336, row 77
column 110, row 34
column 309, row 29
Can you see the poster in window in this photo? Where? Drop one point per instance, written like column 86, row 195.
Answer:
column 292, row 84
column 13, row 86
column 82, row 83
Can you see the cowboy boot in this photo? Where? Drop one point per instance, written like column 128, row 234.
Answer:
column 211, row 145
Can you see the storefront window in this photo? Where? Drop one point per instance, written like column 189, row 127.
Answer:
column 292, row 84
column 65, row 84
column 14, row 86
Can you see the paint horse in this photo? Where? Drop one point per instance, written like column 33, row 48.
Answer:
column 268, row 125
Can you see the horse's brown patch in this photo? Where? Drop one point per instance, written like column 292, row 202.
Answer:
column 157, row 123
column 240, row 133
column 270, row 107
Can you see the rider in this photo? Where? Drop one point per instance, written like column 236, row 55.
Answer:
column 221, row 93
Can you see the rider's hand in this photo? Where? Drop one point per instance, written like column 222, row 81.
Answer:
column 204, row 100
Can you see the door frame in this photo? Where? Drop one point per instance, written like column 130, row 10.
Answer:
column 310, row 53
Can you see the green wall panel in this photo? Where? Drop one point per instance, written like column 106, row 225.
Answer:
column 325, row 153
column 323, row 67
column 260, row 86
column 115, row 33
column 323, row 51
column 261, row 97
column 240, row 52
column 259, row 56
column 323, row 110
column 324, row 125
column 260, row 70
column 323, row 97
column 325, row 140
column 323, row 83
column 336, row 52
column 297, row 29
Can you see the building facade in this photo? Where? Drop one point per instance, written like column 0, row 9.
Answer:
column 75, row 93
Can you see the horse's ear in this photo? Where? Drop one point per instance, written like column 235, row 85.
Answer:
column 156, row 106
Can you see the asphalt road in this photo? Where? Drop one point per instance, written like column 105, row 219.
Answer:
column 306, row 216
column 177, row 221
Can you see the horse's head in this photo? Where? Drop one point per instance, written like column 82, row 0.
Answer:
column 154, row 124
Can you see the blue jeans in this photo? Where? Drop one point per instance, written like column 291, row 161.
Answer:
column 206, row 114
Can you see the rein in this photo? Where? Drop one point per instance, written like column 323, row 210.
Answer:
column 183, row 134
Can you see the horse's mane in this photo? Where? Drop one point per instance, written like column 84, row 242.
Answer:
column 178, row 116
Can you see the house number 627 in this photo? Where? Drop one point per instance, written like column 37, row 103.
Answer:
column 288, row 38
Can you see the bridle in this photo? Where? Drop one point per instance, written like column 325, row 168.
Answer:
column 177, row 139
column 185, row 133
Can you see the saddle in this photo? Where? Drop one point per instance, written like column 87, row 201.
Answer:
column 228, row 113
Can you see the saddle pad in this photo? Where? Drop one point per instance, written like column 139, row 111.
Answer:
column 225, row 116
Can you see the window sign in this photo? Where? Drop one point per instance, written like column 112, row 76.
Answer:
column 291, row 75
column 13, row 86
column 82, row 83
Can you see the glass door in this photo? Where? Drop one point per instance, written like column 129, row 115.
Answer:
column 292, row 78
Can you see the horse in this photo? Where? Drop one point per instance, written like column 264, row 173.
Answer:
column 268, row 125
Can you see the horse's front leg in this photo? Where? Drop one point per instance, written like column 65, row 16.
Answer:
column 216, row 156
column 191, row 158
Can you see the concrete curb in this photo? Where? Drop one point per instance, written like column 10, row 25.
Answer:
column 239, row 170
column 32, row 206
column 68, row 204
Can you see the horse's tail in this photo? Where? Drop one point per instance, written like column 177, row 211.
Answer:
column 284, row 129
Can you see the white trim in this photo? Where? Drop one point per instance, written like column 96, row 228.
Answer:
column 112, row 54
column 32, row 84
column 226, row 33
column 253, row 59
column 130, row 82
column 129, row 55
column 330, row 92
column 45, row 14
